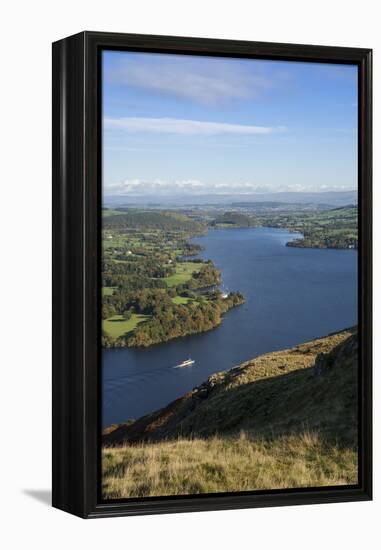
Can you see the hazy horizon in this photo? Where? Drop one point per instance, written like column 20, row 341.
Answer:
column 189, row 126
column 329, row 198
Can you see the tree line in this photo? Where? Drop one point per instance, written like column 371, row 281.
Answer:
column 171, row 321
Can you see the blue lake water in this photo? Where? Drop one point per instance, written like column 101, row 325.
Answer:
column 292, row 295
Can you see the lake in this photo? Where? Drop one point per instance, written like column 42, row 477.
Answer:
column 292, row 295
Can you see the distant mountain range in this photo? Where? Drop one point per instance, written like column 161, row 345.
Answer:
column 328, row 198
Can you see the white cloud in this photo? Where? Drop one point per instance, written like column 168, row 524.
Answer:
column 202, row 81
column 184, row 127
column 188, row 187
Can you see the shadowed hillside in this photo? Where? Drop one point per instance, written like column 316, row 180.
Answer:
column 285, row 419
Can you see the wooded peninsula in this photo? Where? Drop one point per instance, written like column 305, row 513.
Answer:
column 155, row 287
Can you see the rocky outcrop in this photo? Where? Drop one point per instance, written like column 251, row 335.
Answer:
column 336, row 357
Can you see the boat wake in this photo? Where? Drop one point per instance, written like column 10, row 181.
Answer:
column 184, row 364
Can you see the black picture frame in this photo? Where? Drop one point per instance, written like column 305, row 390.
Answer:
column 76, row 272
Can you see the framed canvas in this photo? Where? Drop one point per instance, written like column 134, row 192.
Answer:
column 211, row 274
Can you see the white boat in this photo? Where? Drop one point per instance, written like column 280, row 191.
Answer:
column 186, row 363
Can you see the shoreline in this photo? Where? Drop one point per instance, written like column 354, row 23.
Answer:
column 296, row 242
column 243, row 334
column 219, row 304
column 137, row 428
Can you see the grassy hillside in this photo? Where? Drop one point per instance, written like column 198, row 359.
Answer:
column 151, row 219
column 234, row 219
column 285, row 419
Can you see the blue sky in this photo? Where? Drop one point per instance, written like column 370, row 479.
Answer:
column 190, row 125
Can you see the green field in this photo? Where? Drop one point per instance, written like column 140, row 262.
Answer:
column 108, row 290
column 117, row 326
column 181, row 300
column 183, row 273
column 106, row 212
column 114, row 242
column 120, row 261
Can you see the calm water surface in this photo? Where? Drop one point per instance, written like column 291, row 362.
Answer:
column 292, row 295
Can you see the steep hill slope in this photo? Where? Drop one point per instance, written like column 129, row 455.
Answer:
column 285, row 419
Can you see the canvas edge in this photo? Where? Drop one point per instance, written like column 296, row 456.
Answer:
column 76, row 204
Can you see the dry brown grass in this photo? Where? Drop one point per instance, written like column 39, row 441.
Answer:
column 242, row 463
column 271, row 423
